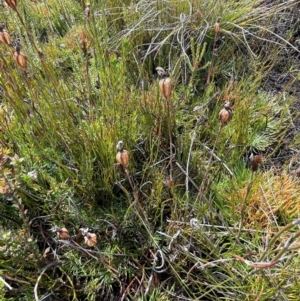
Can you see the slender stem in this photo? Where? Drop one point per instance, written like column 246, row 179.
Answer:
column 30, row 37
column 187, row 178
column 88, row 86
column 170, row 140
column 244, row 205
column 211, row 70
column 200, row 192
column 133, row 186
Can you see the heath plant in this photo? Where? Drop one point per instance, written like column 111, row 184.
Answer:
column 205, row 206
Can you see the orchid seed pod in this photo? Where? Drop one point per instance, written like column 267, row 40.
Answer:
column 217, row 25
column 255, row 161
column 20, row 58
column 12, row 4
column 226, row 113
column 4, row 36
column 122, row 156
column 165, row 84
column 62, row 233
column 90, row 239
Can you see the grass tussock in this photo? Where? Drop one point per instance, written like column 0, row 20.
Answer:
column 179, row 209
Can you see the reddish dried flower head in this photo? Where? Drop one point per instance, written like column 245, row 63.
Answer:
column 255, row 161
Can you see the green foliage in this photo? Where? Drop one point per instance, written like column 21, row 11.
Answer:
column 170, row 224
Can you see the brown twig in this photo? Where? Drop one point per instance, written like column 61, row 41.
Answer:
column 257, row 265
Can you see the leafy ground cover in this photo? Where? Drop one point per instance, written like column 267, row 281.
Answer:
column 199, row 200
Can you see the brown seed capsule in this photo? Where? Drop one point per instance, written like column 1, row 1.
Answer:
column 165, row 86
column 122, row 156
column 255, row 161
column 217, row 26
column 62, row 233
column 226, row 113
column 21, row 59
column 4, row 36
column 12, row 4
column 90, row 239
